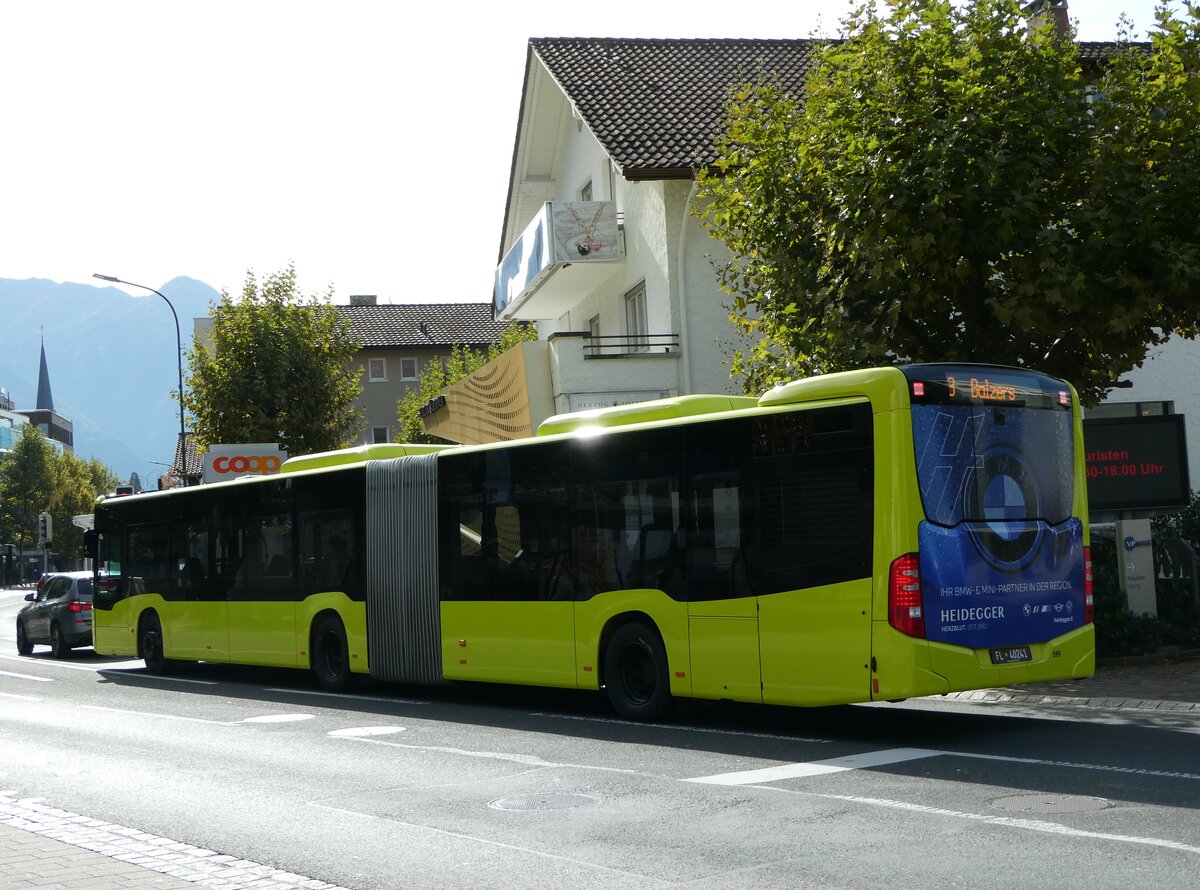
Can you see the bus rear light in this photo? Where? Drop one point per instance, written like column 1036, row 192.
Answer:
column 1089, row 607
column 918, row 388
column 905, row 612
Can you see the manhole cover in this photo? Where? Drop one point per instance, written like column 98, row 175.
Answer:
column 551, row 800
column 1050, row 803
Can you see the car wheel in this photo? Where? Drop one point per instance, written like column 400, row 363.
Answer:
column 58, row 643
column 635, row 673
column 331, row 656
column 150, row 645
column 24, row 647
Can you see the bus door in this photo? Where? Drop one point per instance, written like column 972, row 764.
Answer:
column 261, row 594
column 195, row 621
column 722, row 611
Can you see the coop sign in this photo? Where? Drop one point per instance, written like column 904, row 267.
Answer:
column 223, row 462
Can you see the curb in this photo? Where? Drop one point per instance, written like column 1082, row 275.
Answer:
column 1163, row 655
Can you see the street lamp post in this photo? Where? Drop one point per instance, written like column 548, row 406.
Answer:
column 182, row 454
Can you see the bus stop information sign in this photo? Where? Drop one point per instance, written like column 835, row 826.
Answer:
column 1136, row 464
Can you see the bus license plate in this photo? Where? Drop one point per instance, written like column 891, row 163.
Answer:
column 1011, row 654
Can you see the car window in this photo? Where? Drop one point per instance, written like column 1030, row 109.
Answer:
column 83, row 588
column 58, row 587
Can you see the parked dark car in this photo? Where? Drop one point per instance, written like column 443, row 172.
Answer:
column 59, row 614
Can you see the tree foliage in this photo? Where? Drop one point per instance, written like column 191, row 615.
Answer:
column 26, row 486
column 279, row 368
column 955, row 187
column 435, row 379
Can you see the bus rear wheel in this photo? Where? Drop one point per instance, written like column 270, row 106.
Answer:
column 331, row 655
column 635, row 673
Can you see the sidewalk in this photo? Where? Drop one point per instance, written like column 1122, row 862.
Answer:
column 1170, row 683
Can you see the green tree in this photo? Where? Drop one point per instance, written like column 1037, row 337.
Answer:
column 435, row 380
column 26, row 487
column 954, row 187
column 279, row 368
column 76, row 483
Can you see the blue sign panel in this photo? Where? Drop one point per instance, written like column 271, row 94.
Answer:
column 973, row 595
column 1001, row 556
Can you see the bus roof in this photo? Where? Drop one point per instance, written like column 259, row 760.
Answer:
column 644, row 412
column 358, row 455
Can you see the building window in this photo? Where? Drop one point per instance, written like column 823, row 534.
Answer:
column 377, row 370
column 593, row 347
column 635, row 317
column 585, row 193
column 380, row 435
column 408, row 369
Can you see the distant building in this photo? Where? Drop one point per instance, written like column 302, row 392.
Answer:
column 10, row 423
column 399, row 341
column 59, row 431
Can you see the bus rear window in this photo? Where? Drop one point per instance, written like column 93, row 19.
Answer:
column 993, row 464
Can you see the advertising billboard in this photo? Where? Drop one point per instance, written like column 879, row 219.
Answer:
column 223, row 462
column 1136, row 464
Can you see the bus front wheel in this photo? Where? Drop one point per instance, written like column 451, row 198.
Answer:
column 150, row 644
column 331, row 659
column 635, row 673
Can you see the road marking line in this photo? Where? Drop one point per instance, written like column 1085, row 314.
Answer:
column 866, row 760
column 167, row 679
column 339, row 695
column 26, row 677
column 164, row 716
column 681, row 728
column 20, row 697
column 46, row 662
column 1157, row 773
column 1011, row 822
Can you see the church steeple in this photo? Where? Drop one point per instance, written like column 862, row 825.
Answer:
column 45, row 398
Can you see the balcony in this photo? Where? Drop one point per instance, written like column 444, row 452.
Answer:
column 566, row 252
column 600, row 371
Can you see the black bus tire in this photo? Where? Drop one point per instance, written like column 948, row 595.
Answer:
column 331, row 655
column 635, row 673
column 150, row 645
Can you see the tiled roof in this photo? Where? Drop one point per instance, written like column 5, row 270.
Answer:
column 423, row 324
column 655, row 105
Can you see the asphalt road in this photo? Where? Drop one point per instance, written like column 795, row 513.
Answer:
column 497, row 786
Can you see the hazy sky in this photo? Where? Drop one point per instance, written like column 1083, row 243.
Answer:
column 370, row 146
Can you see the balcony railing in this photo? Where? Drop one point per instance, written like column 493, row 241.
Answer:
column 629, row 345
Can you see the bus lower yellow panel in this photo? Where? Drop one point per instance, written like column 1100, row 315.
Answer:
column 509, row 642
column 1071, row 656
column 113, row 632
column 725, row 663
column 902, row 665
column 264, row 633
column 195, row 631
column 816, row 644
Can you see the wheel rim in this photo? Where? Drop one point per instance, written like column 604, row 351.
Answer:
column 331, row 652
column 152, row 645
column 638, row 673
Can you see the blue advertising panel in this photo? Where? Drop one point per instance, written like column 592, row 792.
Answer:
column 1001, row 556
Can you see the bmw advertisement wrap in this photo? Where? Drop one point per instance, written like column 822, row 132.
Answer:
column 1001, row 557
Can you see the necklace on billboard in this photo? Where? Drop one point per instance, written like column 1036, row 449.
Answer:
column 589, row 242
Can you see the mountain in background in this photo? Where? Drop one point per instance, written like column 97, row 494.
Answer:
column 112, row 363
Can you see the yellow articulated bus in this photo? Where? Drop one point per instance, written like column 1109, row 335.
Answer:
column 874, row 534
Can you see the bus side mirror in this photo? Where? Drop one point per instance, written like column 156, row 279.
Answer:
column 91, row 539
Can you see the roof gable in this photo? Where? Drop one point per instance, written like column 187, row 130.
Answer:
column 423, row 324
column 657, row 105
